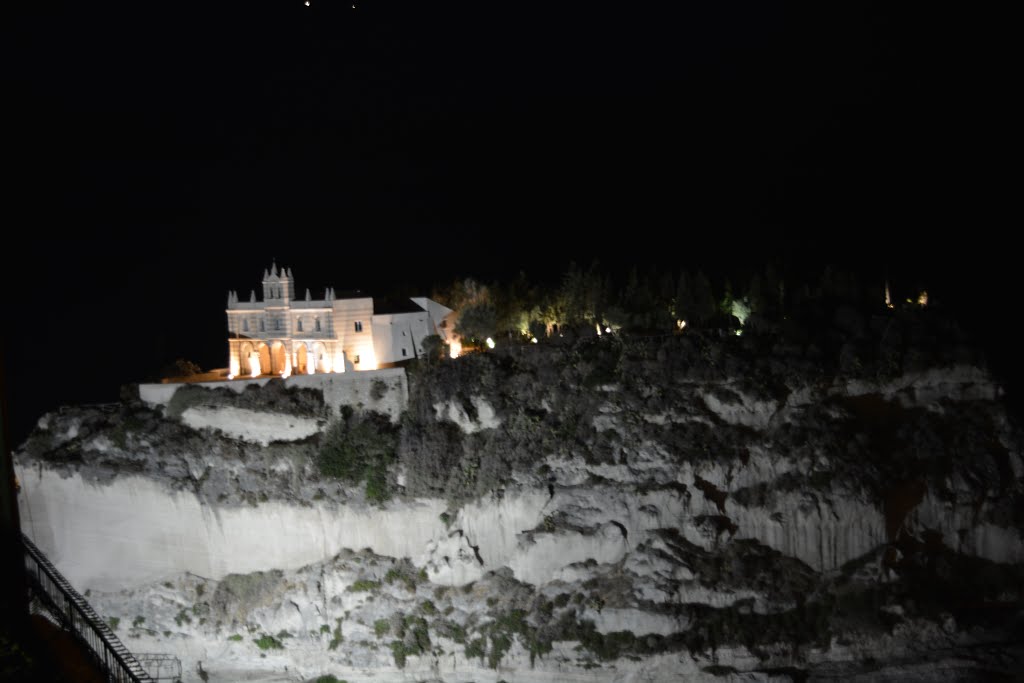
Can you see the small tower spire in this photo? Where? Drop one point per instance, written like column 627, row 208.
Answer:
column 308, row 298
column 252, row 297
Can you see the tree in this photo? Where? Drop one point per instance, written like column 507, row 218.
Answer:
column 477, row 321
column 180, row 368
column 683, row 304
column 581, row 296
column 433, row 348
column 704, row 307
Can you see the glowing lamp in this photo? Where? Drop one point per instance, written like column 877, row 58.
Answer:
column 490, row 343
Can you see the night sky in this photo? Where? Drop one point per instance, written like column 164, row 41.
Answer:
column 160, row 154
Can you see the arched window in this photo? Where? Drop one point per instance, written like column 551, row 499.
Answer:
column 298, row 324
column 263, row 326
column 245, row 325
column 318, row 324
column 277, row 324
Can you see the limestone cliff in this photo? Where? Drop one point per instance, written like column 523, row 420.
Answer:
column 602, row 510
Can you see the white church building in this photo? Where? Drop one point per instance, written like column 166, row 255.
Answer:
column 285, row 335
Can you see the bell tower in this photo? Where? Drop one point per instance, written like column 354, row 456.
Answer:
column 278, row 286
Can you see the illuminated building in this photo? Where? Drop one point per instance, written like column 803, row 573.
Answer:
column 282, row 334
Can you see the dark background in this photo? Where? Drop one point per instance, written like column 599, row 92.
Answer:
column 160, row 154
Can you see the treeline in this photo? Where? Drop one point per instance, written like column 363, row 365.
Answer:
column 658, row 302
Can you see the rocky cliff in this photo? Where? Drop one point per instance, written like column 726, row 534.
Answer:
column 606, row 509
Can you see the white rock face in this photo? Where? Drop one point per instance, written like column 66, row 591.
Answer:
column 961, row 529
column 957, row 383
column 638, row 622
column 251, row 425
column 81, row 525
column 542, row 554
column 745, row 411
column 825, row 534
column 494, row 525
column 452, row 561
column 452, row 411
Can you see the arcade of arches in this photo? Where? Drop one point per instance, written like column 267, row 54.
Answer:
column 304, row 358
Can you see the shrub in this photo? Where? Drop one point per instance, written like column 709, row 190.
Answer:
column 113, row 622
column 378, row 389
column 360, row 448
column 336, row 639
column 235, row 637
column 268, row 642
column 399, row 652
column 381, row 626
column 475, row 648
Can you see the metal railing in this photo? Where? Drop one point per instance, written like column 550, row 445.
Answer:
column 76, row 615
column 161, row 667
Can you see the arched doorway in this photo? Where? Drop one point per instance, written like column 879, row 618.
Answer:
column 244, row 354
column 265, row 365
column 323, row 363
column 279, row 363
column 301, row 356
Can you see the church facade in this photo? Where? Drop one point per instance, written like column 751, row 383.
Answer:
column 284, row 335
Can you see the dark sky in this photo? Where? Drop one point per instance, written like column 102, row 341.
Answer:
column 162, row 153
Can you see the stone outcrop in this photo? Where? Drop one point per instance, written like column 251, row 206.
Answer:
column 611, row 510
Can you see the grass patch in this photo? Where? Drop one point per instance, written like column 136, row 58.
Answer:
column 363, row 585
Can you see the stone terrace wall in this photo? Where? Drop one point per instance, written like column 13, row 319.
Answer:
column 354, row 389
